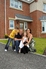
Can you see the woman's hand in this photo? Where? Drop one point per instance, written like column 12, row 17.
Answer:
column 17, row 39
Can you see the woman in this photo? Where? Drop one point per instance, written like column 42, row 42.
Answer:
column 30, row 41
column 29, row 35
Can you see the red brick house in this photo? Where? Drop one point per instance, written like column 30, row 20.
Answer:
column 24, row 13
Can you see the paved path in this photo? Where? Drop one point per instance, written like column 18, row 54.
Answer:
column 12, row 60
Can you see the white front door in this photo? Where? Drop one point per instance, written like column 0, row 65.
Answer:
column 24, row 25
column 21, row 25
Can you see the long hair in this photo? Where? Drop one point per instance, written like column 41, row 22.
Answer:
column 25, row 32
column 29, row 29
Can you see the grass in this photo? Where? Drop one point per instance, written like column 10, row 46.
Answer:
column 40, row 44
column 3, row 41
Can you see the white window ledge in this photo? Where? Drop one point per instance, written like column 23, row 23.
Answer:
column 43, row 32
column 44, row 11
column 16, row 8
column 11, row 28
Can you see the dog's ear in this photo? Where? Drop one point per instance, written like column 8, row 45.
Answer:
column 25, row 42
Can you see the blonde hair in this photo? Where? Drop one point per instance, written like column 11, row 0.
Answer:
column 25, row 32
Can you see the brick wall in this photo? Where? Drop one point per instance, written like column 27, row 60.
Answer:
column 1, row 18
column 36, row 24
column 12, row 12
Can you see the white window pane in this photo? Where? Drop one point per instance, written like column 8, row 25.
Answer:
column 25, row 26
column 20, row 5
column 15, row 4
column 11, row 3
column 21, row 25
column 44, row 7
column 11, row 24
column 44, row 26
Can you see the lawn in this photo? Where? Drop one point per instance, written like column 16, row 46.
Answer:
column 3, row 41
column 40, row 44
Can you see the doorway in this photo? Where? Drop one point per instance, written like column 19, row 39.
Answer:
column 24, row 25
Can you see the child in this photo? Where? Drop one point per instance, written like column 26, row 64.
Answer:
column 23, row 42
column 11, row 39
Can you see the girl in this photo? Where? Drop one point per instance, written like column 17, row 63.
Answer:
column 23, row 44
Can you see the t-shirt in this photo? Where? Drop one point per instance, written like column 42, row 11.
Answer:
column 18, row 36
column 13, row 33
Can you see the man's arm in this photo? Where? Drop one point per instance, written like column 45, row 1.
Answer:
column 17, row 39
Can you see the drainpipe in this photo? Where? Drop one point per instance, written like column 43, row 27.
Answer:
column 5, row 18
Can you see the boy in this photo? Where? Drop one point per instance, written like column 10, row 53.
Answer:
column 11, row 39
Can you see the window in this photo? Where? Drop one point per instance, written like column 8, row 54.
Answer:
column 21, row 25
column 44, row 7
column 16, row 4
column 11, row 24
column 44, row 26
column 25, row 26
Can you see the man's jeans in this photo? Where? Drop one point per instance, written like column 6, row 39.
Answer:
column 8, row 43
column 17, row 42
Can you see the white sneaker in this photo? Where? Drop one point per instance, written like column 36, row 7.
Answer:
column 19, row 51
column 5, row 50
column 14, row 50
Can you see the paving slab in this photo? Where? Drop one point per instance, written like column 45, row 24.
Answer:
column 13, row 60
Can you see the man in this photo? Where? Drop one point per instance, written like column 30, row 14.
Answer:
column 17, row 39
column 11, row 38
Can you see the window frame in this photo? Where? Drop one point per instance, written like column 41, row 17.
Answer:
column 21, row 25
column 9, row 24
column 19, row 2
column 44, row 27
column 25, row 25
column 44, row 7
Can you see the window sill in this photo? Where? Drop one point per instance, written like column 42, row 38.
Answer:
column 43, row 32
column 10, row 28
column 16, row 9
column 44, row 11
